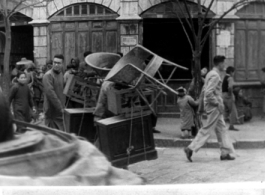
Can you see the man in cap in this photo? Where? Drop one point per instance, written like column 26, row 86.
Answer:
column 214, row 107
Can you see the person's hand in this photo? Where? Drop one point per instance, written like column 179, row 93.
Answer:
column 34, row 110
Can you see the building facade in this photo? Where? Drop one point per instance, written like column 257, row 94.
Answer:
column 71, row 27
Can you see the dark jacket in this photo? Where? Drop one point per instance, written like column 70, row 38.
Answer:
column 54, row 99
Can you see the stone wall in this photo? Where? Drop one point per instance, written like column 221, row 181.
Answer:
column 40, row 44
column 225, row 41
column 224, row 34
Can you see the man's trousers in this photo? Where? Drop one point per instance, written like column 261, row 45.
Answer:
column 215, row 122
column 230, row 109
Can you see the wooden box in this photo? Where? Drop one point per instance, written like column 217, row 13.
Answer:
column 82, row 91
column 116, row 139
column 81, row 122
column 124, row 100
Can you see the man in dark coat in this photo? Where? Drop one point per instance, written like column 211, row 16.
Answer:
column 54, row 99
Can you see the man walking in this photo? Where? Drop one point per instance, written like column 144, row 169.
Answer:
column 229, row 98
column 214, row 107
column 54, row 99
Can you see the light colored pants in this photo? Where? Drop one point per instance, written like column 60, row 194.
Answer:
column 230, row 108
column 215, row 121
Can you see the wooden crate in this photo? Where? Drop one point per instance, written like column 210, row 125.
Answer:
column 81, row 122
column 114, row 138
column 119, row 101
column 81, row 91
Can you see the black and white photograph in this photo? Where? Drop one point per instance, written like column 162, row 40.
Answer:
column 132, row 97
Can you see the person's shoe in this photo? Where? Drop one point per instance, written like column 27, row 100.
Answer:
column 188, row 153
column 156, row 131
column 232, row 128
column 227, row 157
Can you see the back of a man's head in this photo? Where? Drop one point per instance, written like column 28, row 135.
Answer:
column 86, row 53
column 218, row 59
column 59, row 56
column 230, row 69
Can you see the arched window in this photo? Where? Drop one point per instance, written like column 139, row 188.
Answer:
column 83, row 27
column 84, row 9
column 173, row 10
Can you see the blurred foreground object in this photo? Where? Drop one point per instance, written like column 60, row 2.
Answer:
column 47, row 157
column 6, row 128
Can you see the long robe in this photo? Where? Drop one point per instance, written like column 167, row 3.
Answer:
column 185, row 104
column 21, row 99
column 54, row 99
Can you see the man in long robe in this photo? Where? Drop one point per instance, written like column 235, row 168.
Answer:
column 214, row 107
column 54, row 99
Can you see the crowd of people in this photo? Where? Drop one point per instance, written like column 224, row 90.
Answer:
column 33, row 87
column 226, row 103
column 30, row 86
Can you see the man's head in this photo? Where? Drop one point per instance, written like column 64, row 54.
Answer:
column 58, row 63
column 218, row 62
column 86, row 53
column 230, row 70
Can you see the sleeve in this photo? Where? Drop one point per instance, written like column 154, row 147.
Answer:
column 50, row 92
column 65, row 77
column 230, row 84
column 212, row 84
column 12, row 93
column 191, row 87
column 192, row 102
column 31, row 104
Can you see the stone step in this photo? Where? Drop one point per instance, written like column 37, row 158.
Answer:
column 212, row 143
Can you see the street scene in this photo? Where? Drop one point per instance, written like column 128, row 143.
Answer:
column 125, row 93
column 172, row 167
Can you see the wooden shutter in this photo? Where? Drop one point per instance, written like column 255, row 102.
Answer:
column 249, row 49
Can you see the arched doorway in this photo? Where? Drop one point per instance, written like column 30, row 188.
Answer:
column 22, row 44
column 83, row 27
column 163, row 34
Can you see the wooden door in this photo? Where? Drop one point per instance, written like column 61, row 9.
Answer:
column 249, row 49
column 72, row 39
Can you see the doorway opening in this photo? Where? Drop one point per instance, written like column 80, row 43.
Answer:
column 167, row 38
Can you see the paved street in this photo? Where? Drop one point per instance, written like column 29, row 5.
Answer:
column 172, row 167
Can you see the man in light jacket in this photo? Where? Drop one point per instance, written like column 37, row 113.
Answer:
column 214, row 107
